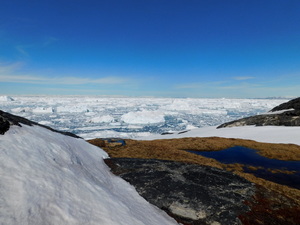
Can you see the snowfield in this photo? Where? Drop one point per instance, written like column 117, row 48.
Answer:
column 49, row 178
column 268, row 134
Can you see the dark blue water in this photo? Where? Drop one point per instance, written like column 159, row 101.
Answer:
column 250, row 157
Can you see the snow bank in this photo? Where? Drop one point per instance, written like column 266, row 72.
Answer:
column 143, row 117
column 268, row 134
column 278, row 112
column 49, row 178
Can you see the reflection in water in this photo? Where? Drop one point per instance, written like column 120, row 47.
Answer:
column 249, row 157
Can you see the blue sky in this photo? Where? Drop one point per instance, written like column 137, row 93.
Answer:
column 161, row 48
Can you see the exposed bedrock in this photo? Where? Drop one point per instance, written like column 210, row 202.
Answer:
column 193, row 194
column 7, row 120
column 292, row 104
column 286, row 114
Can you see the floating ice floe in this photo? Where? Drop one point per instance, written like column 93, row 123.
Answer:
column 102, row 119
column 143, row 117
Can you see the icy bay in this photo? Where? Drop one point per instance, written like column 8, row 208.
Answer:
column 92, row 116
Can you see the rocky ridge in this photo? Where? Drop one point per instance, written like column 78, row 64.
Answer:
column 7, row 120
column 286, row 114
column 193, row 194
column 202, row 195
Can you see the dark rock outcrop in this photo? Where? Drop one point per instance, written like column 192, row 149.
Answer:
column 4, row 125
column 7, row 120
column 286, row 114
column 192, row 194
column 292, row 104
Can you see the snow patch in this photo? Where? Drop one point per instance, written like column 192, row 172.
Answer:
column 190, row 127
column 268, row 134
column 47, row 123
column 278, row 112
column 49, row 178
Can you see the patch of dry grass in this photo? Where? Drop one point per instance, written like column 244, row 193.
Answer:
column 273, row 151
column 156, row 150
column 269, row 150
column 172, row 149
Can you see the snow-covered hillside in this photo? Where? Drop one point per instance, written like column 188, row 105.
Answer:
column 50, row 178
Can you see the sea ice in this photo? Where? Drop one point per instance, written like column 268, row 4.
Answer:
column 6, row 99
column 102, row 119
column 121, row 116
column 143, row 117
column 43, row 110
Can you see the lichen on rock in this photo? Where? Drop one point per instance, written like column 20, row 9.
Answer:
column 193, row 194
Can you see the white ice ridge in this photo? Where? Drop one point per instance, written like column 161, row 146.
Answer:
column 49, row 178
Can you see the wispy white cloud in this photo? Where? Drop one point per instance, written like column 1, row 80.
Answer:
column 6, row 68
column 243, row 78
column 31, row 79
column 189, row 86
column 25, row 49
column 199, row 85
column 245, row 88
column 49, row 40
column 213, row 84
column 22, row 49
column 10, row 73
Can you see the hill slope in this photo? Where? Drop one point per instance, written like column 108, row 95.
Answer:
column 50, row 178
